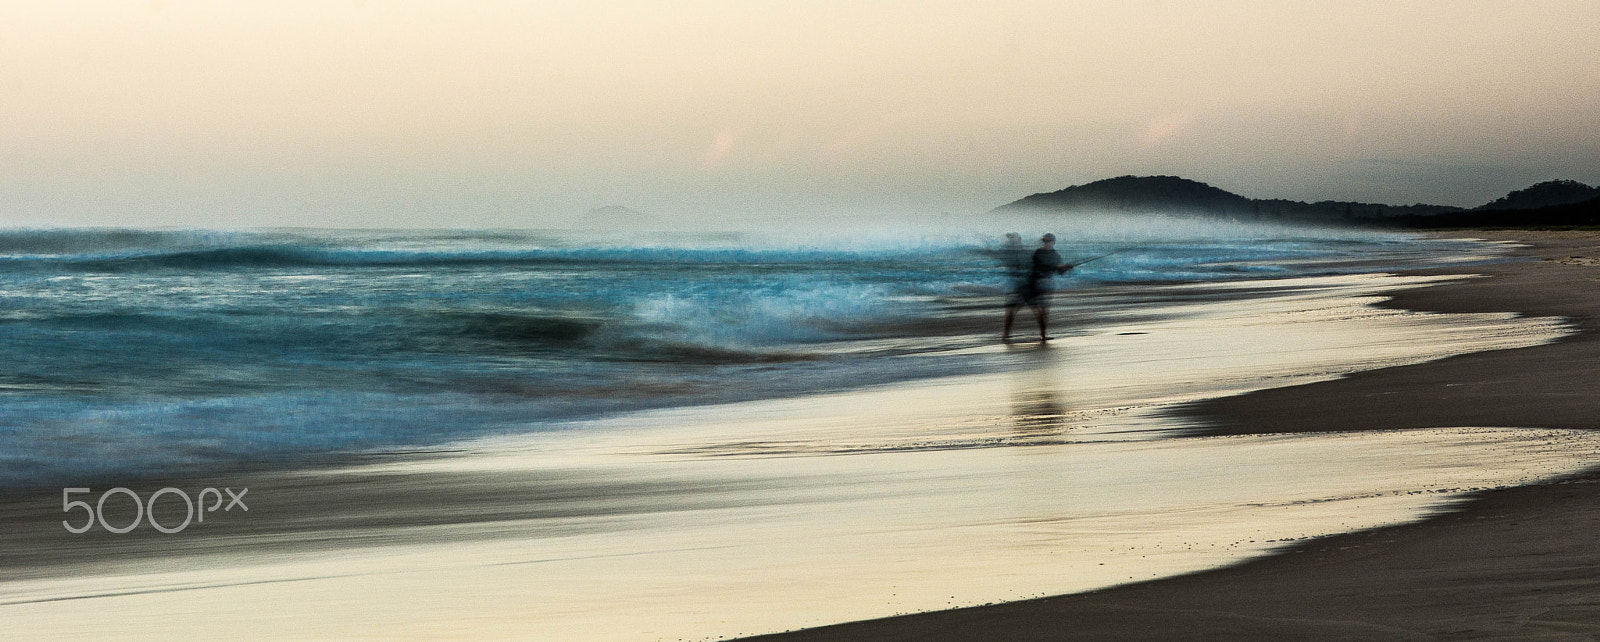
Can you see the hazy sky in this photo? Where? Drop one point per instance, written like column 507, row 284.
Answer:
column 517, row 114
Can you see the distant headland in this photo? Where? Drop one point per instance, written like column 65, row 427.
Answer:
column 1551, row 203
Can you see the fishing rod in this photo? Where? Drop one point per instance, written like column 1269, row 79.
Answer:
column 1073, row 265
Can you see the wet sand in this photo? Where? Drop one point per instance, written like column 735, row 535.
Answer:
column 1520, row 563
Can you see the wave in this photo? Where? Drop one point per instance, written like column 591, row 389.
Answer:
column 294, row 256
column 538, row 329
column 134, row 251
column 83, row 241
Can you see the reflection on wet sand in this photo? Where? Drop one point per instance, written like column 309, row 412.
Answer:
column 1038, row 408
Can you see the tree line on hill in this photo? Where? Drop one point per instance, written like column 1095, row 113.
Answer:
column 1560, row 203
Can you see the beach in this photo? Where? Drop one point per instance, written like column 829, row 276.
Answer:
column 1508, row 564
column 704, row 321
column 1112, row 456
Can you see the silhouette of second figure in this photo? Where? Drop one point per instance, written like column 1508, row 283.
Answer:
column 1031, row 281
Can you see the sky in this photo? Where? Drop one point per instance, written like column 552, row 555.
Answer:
column 232, row 113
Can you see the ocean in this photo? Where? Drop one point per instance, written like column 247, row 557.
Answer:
column 132, row 353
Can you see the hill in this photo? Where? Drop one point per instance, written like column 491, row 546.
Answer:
column 1546, row 194
column 1180, row 196
column 1581, row 214
column 1145, row 194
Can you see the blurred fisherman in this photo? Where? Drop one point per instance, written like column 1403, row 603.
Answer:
column 1018, row 263
column 1033, row 289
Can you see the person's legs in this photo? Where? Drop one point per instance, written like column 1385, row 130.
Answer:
column 1042, row 313
column 1011, row 315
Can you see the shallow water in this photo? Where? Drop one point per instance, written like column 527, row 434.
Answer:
column 1062, row 474
column 134, row 353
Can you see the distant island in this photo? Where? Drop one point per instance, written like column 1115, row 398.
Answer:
column 618, row 216
column 617, row 212
column 1552, row 203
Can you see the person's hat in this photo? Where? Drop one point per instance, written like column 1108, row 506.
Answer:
column 1048, row 237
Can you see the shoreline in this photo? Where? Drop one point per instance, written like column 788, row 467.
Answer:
column 904, row 480
column 1511, row 563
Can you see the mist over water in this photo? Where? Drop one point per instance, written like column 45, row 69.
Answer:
column 143, row 351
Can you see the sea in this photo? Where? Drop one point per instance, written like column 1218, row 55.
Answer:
column 148, row 352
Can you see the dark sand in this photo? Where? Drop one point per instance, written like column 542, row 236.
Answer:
column 1520, row 563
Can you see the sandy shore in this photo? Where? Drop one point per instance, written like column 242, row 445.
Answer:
column 1517, row 563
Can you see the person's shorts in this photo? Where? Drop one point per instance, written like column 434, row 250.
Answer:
column 1027, row 294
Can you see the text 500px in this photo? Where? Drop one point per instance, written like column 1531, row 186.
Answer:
column 96, row 512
